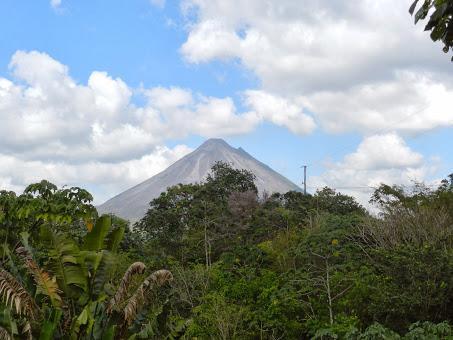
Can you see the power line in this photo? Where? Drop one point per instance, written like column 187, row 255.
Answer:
column 369, row 187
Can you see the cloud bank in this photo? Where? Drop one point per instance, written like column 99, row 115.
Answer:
column 359, row 67
column 67, row 129
column 332, row 65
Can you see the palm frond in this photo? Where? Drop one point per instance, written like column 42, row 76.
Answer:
column 121, row 293
column 140, row 297
column 45, row 284
column 15, row 296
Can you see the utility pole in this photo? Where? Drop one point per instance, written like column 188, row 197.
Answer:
column 305, row 178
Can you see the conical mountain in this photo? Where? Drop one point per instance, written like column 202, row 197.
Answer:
column 133, row 203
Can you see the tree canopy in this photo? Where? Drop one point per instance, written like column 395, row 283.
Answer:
column 238, row 264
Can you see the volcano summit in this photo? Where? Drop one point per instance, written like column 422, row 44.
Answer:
column 133, row 203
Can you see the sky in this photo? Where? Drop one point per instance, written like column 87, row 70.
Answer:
column 105, row 94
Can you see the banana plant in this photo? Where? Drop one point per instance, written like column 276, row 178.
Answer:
column 69, row 296
column 102, row 315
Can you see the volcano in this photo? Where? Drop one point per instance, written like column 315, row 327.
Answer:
column 133, row 203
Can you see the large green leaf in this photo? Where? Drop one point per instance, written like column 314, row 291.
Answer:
column 101, row 267
column 90, row 322
column 109, row 334
column 95, row 239
column 64, row 258
column 49, row 327
column 115, row 238
column 79, row 322
column 104, row 272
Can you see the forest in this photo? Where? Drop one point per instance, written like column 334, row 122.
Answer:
column 216, row 260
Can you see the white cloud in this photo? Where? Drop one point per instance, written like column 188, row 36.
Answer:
column 384, row 158
column 308, row 45
column 169, row 98
column 214, row 110
column 108, row 178
column 410, row 103
column 39, row 70
column 383, row 152
column 217, row 117
column 356, row 66
column 110, row 95
column 53, row 116
column 210, row 40
column 280, row 111
column 55, row 127
column 346, row 66
column 189, row 113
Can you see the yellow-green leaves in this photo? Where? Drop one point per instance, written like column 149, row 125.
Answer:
column 95, row 239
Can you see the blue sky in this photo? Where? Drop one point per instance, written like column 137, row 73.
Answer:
column 360, row 102
column 132, row 40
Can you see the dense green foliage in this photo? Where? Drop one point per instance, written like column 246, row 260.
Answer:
column 301, row 266
column 440, row 21
column 61, row 269
column 284, row 266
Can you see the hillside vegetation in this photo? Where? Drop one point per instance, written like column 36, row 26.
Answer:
column 215, row 261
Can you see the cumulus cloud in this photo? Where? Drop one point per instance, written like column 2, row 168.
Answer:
column 341, row 65
column 189, row 113
column 356, row 66
column 54, row 116
column 345, row 66
column 410, row 103
column 383, row 152
column 51, row 114
column 280, row 111
column 309, row 45
column 383, row 158
column 55, row 127
column 108, row 178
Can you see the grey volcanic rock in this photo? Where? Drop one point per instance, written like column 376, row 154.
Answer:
column 133, row 203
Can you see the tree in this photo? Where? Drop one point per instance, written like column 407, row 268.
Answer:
column 64, row 209
column 287, row 266
column 224, row 180
column 188, row 216
column 334, row 202
column 440, row 22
